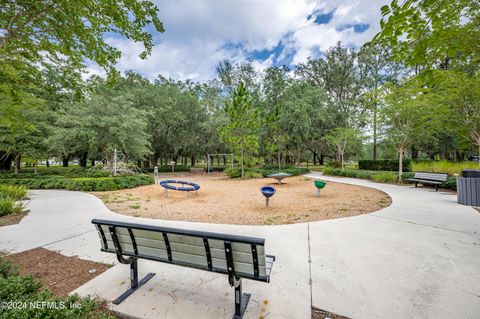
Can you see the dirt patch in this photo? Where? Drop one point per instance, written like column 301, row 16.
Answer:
column 60, row 274
column 11, row 219
column 234, row 201
column 322, row 314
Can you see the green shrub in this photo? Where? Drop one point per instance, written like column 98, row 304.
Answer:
column 289, row 170
column 7, row 268
column 9, row 206
column 233, row 172
column 450, row 168
column 384, row 165
column 26, row 289
column 383, row 177
column 87, row 184
column 168, row 168
column 252, row 174
column 13, row 192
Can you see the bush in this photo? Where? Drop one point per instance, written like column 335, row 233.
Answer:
column 9, row 206
column 384, row 165
column 385, row 177
column 450, row 168
column 382, row 177
column 252, row 174
column 26, row 289
column 13, row 192
column 289, row 170
column 264, row 171
column 86, row 184
column 168, row 169
column 233, row 172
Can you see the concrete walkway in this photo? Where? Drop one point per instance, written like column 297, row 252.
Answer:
column 418, row 258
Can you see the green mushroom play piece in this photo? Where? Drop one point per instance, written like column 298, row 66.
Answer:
column 319, row 185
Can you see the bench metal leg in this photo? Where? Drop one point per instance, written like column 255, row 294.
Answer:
column 436, row 187
column 416, row 184
column 241, row 299
column 134, row 283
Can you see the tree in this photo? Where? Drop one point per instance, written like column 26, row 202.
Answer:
column 342, row 138
column 60, row 30
column 376, row 69
column 275, row 88
column 401, row 115
column 432, row 33
column 338, row 73
column 241, row 132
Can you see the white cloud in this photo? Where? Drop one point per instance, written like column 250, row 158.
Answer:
column 200, row 34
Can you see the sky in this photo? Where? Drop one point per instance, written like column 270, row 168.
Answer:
column 199, row 34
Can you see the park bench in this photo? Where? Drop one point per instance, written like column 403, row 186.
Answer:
column 429, row 178
column 236, row 256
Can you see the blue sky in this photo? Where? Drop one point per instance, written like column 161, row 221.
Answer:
column 201, row 33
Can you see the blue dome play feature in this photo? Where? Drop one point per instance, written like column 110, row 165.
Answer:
column 184, row 186
column 268, row 192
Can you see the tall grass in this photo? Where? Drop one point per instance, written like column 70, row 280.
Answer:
column 443, row 167
column 10, row 197
column 13, row 192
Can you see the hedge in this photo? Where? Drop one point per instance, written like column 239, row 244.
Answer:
column 264, row 171
column 384, row 165
column 383, row 177
column 86, row 184
column 168, row 169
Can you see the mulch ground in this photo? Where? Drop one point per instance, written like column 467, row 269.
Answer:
column 60, row 274
column 322, row 314
column 235, row 201
column 11, row 219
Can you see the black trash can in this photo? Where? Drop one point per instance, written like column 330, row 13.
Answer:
column 468, row 187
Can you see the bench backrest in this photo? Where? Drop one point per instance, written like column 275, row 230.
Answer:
column 439, row 177
column 195, row 249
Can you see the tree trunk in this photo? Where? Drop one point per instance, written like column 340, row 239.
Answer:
column 374, row 133
column 17, row 162
column 5, row 161
column 322, row 158
column 243, row 166
column 279, row 160
column 192, row 160
column 65, row 160
column 83, row 159
column 400, row 163
column 48, row 163
column 92, row 162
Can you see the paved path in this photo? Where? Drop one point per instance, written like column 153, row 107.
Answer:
column 418, row 258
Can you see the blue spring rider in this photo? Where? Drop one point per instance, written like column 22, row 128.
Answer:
column 268, row 192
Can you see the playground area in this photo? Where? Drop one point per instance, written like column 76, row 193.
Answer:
column 234, row 201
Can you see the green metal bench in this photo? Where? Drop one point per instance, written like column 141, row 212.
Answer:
column 236, row 256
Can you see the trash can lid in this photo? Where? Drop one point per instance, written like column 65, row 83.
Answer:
column 471, row 173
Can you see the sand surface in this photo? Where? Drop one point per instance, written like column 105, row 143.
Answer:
column 234, row 201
